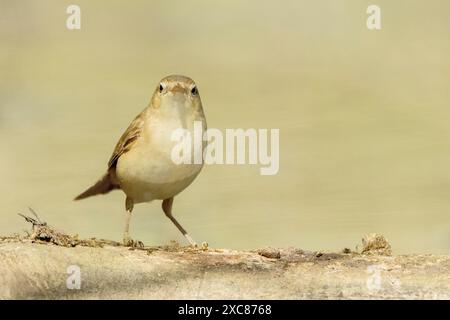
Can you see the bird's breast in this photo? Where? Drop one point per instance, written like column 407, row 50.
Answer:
column 147, row 171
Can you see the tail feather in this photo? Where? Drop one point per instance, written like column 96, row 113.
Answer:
column 102, row 186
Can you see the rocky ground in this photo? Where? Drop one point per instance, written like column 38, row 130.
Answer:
column 32, row 270
column 48, row 264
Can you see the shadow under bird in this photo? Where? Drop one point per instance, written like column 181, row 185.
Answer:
column 141, row 164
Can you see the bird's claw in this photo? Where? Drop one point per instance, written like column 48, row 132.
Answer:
column 128, row 242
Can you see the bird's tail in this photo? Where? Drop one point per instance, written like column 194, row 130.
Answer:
column 102, row 186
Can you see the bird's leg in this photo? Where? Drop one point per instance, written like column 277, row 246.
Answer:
column 167, row 208
column 127, row 241
column 126, row 235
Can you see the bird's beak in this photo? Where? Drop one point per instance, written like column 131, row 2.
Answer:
column 177, row 89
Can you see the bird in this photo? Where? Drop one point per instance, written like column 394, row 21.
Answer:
column 141, row 164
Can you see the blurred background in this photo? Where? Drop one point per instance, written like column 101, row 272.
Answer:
column 363, row 117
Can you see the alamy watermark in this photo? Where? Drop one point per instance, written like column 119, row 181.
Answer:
column 375, row 281
column 374, row 20
column 73, row 281
column 236, row 146
column 73, row 21
column 250, row 146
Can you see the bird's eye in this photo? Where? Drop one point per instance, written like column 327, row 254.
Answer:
column 161, row 87
column 194, row 91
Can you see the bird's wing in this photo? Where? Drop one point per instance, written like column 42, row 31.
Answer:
column 127, row 140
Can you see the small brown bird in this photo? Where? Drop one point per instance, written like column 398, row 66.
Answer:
column 141, row 164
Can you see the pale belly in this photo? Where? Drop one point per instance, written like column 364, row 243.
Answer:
column 147, row 172
column 148, row 185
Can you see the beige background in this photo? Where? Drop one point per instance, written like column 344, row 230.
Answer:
column 363, row 117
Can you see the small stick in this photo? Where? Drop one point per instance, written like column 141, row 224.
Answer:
column 34, row 222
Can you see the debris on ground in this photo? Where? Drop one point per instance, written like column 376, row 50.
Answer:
column 271, row 253
column 41, row 232
column 372, row 244
column 376, row 244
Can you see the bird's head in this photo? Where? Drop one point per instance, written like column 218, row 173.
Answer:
column 177, row 91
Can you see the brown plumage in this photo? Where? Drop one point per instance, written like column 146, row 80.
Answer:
column 102, row 186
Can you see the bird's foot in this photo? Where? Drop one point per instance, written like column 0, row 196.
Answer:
column 200, row 247
column 191, row 241
column 204, row 246
column 128, row 242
